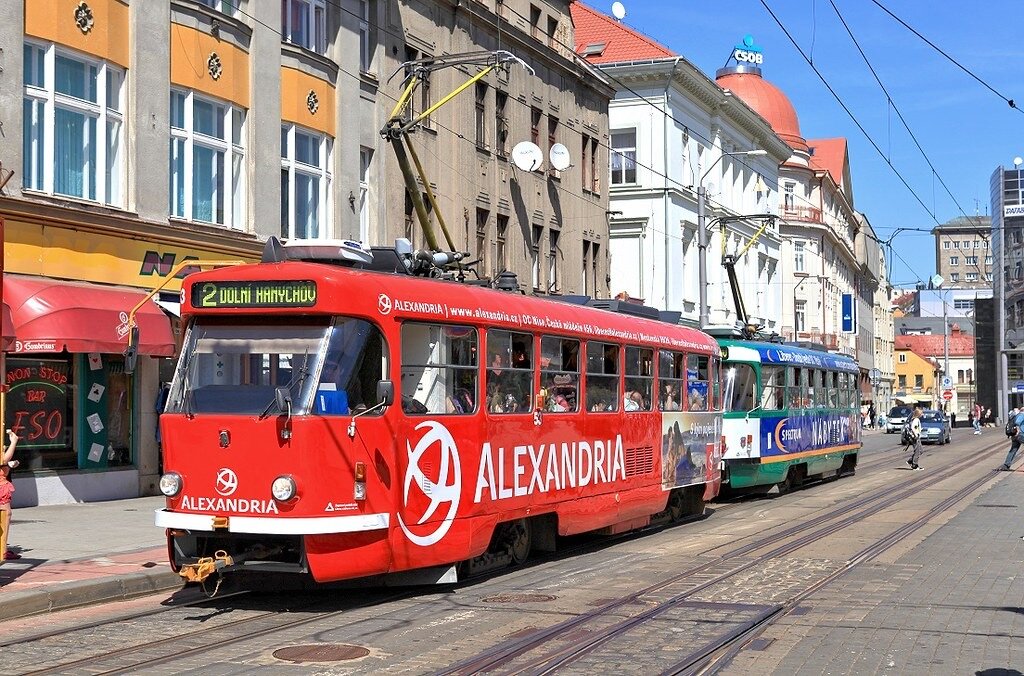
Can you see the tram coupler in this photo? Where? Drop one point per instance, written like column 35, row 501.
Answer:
column 208, row 565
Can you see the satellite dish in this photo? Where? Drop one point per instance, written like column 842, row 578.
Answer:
column 527, row 156
column 559, row 157
column 618, row 10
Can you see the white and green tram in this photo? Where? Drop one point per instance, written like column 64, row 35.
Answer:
column 790, row 414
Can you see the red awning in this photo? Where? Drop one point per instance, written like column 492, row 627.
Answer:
column 7, row 336
column 52, row 315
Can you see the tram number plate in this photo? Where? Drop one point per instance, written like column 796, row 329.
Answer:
column 254, row 294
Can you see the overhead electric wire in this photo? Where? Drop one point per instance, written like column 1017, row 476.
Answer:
column 1010, row 102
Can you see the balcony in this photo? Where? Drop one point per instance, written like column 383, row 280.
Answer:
column 829, row 340
column 796, row 213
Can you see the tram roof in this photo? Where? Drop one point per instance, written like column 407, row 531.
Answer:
column 789, row 355
column 377, row 296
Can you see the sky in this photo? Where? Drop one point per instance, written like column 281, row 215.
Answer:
column 965, row 130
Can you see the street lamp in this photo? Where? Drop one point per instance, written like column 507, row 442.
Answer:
column 702, row 233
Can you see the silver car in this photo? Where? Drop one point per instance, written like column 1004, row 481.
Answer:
column 897, row 416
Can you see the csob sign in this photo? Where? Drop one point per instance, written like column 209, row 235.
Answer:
column 748, row 52
column 849, row 312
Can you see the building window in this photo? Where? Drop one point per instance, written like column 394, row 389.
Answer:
column 903, row 358
column 595, row 177
column 535, row 115
column 365, row 49
column 305, row 183
column 482, row 217
column 954, row 260
column 365, row 157
column 963, row 303
column 902, row 381
column 918, row 381
column 500, row 123
column 229, row 7
column 971, row 277
column 954, row 277
column 623, row 156
column 553, row 261
column 207, row 160
column 73, row 125
column 988, row 260
column 800, row 315
column 585, row 161
column 799, row 265
column 481, row 116
column 304, row 23
column 947, row 244
column 412, row 54
column 535, row 21
column 501, row 237
column 538, row 234
column 788, row 197
column 552, row 32
column 587, row 291
column 970, row 260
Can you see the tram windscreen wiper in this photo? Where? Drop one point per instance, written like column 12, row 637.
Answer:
column 297, row 378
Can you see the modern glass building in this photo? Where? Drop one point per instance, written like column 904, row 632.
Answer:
column 1007, row 191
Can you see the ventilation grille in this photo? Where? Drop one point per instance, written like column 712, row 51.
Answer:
column 639, row 461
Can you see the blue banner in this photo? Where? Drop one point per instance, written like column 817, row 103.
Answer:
column 849, row 313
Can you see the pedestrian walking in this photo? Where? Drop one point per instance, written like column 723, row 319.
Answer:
column 914, row 439
column 1014, row 430
column 976, row 421
column 989, row 420
column 7, row 463
column 872, row 415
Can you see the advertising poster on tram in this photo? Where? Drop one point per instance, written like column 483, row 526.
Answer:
column 690, row 453
column 808, row 433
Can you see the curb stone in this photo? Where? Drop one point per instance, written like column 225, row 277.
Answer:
column 72, row 594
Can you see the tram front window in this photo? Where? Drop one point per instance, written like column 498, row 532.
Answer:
column 740, row 383
column 235, row 366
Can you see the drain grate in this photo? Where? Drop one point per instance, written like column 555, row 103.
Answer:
column 327, row 652
column 519, row 598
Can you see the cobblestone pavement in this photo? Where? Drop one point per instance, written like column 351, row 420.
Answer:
column 943, row 601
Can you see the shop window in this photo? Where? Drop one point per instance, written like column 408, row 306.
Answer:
column 40, row 409
column 305, row 183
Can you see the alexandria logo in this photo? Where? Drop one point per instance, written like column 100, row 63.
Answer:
column 227, row 482
column 438, row 493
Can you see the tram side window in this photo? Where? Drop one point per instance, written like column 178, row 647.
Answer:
column 773, row 388
column 833, row 388
column 716, row 384
column 356, row 360
column 671, row 378
column 439, row 369
column 602, row 376
column 639, row 374
column 852, row 394
column 818, row 398
column 560, row 374
column 841, row 397
column 796, row 387
column 698, row 374
column 740, row 383
column 509, row 371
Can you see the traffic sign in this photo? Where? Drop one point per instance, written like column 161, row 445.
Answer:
column 947, row 395
column 947, row 383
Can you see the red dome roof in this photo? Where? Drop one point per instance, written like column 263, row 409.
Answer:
column 769, row 102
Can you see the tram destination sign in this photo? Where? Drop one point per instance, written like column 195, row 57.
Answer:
column 254, row 294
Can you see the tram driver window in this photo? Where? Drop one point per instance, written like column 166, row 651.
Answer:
column 439, row 369
column 602, row 377
column 356, row 360
column 639, row 379
column 698, row 377
column 509, row 371
column 773, row 388
column 671, row 378
column 560, row 374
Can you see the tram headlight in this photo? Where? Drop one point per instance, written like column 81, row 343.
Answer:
column 283, row 488
column 170, row 484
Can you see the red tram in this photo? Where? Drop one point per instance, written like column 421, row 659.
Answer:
column 342, row 422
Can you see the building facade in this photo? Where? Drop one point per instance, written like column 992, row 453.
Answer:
column 917, row 377
column 1007, row 238
column 959, row 349
column 673, row 130
column 884, row 335
column 140, row 135
column 963, row 256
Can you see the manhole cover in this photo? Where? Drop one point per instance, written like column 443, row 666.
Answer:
column 331, row 652
column 519, row 598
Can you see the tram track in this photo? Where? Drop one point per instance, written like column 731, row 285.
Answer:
column 865, row 506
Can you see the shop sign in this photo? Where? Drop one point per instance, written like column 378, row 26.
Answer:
column 35, row 346
column 748, row 52
column 1013, row 211
column 37, row 402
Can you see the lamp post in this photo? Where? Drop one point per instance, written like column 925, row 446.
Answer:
column 702, row 234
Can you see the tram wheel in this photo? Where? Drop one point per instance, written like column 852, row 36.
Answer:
column 520, row 541
column 676, row 505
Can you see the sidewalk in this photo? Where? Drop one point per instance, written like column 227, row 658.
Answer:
column 78, row 554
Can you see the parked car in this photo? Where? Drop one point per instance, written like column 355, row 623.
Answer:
column 935, row 427
column 897, row 416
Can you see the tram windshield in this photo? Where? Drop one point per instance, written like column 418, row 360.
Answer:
column 740, row 383
column 233, row 366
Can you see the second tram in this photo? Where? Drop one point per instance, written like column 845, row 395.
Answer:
column 790, row 414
